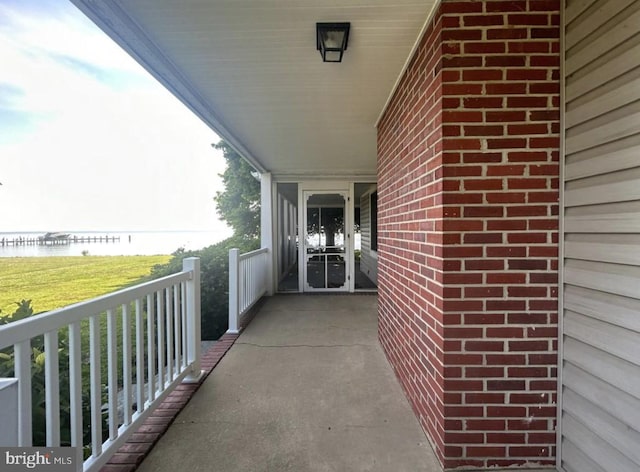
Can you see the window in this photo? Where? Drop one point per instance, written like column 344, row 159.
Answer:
column 374, row 221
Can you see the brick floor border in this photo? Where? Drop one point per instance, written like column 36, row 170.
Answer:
column 140, row 443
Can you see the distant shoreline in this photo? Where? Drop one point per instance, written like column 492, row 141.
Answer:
column 129, row 243
column 133, row 231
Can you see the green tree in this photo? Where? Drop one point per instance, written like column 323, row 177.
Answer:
column 239, row 203
column 214, row 281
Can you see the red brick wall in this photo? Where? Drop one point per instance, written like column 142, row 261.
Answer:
column 468, row 231
column 410, row 265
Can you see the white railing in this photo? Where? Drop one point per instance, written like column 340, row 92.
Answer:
column 247, row 283
column 149, row 333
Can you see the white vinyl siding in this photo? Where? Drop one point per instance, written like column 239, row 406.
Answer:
column 600, row 418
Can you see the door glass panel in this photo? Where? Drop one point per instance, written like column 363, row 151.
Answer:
column 325, row 242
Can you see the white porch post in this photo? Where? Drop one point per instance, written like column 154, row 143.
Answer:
column 9, row 414
column 266, row 225
column 234, row 283
column 192, row 264
column 22, row 356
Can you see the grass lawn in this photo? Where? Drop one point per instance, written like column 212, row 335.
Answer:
column 54, row 282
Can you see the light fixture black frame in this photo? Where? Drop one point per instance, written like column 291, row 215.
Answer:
column 320, row 46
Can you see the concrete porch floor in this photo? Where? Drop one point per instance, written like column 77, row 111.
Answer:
column 306, row 387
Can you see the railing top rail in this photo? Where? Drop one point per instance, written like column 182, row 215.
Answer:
column 28, row 328
column 248, row 255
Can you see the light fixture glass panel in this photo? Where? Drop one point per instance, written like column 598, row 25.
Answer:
column 333, row 56
column 333, row 39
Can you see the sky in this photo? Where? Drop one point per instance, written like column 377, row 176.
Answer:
column 88, row 139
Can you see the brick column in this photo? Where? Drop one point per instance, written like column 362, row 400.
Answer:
column 468, row 251
column 410, row 238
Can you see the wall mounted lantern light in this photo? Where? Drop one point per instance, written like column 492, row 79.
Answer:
column 332, row 39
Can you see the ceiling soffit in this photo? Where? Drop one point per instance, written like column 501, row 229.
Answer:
column 250, row 70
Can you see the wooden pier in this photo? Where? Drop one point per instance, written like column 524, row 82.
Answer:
column 42, row 241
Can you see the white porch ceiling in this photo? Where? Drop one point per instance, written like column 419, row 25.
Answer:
column 250, row 69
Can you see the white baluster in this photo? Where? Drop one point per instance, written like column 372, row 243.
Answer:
column 169, row 325
column 127, row 393
column 75, row 385
column 96, row 387
column 161, row 338
column 112, row 374
column 151, row 349
column 177, row 326
column 52, row 388
column 139, row 356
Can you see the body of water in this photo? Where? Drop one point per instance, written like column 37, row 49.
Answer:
column 130, row 243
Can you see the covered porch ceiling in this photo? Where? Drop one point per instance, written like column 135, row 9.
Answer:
column 251, row 71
